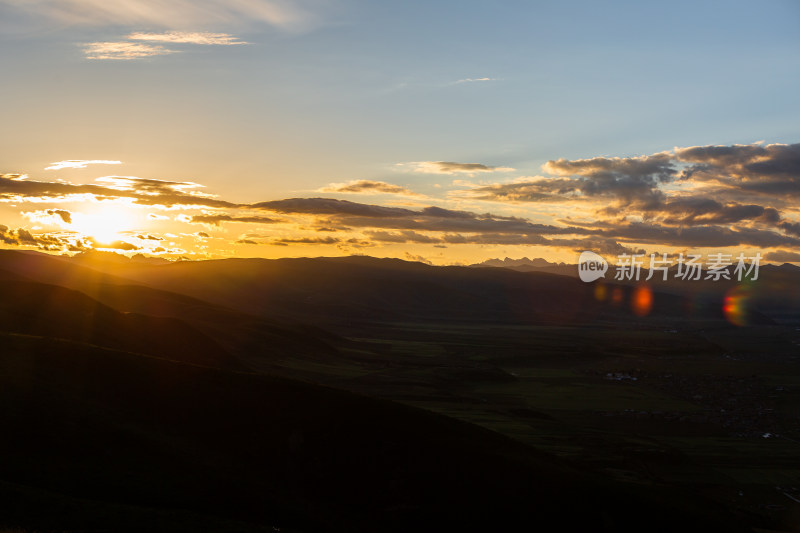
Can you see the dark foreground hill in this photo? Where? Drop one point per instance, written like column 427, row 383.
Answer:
column 111, row 441
column 55, row 312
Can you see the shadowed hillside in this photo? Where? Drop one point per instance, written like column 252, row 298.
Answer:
column 55, row 312
column 381, row 396
column 113, row 428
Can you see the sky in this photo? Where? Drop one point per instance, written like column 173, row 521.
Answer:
column 444, row 132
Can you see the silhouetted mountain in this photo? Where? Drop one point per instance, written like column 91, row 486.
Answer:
column 522, row 264
column 55, row 312
column 353, row 289
column 94, row 257
column 239, row 333
column 55, row 270
column 531, row 265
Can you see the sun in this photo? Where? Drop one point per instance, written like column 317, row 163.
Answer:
column 105, row 224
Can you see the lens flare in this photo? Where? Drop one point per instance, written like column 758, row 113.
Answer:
column 642, row 300
column 616, row 296
column 600, row 291
column 735, row 305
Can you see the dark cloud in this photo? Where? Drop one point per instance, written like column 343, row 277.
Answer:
column 639, row 207
column 793, row 228
column 509, row 239
column 401, row 237
column 771, row 169
column 65, row 215
column 775, row 161
column 352, row 214
column 147, row 237
column 535, row 190
column 701, row 218
column 721, row 156
column 476, row 224
column 330, row 206
column 656, row 167
column 306, row 240
column 355, row 243
column 699, row 210
column 765, row 169
column 45, row 241
column 217, row 219
column 783, row 256
column 326, row 228
column 293, row 241
column 695, row 236
column 625, row 178
column 596, row 244
column 455, row 238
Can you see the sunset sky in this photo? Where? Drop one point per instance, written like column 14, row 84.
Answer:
column 449, row 132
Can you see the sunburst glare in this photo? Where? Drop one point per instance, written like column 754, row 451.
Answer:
column 106, row 224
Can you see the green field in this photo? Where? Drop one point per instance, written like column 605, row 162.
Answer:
column 649, row 405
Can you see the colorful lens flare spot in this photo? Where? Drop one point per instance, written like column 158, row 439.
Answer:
column 734, row 306
column 616, row 296
column 642, row 300
column 600, row 292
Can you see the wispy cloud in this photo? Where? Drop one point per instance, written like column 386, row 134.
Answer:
column 450, row 167
column 123, row 50
column 166, row 194
column 473, row 80
column 367, row 187
column 80, row 163
column 150, row 186
column 176, row 14
column 186, row 37
column 136, row 50
column 49, row 216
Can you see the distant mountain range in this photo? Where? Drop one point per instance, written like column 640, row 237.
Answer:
column 338, row 293
column 524, row 262
column 543, row 265
column 346, row 291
